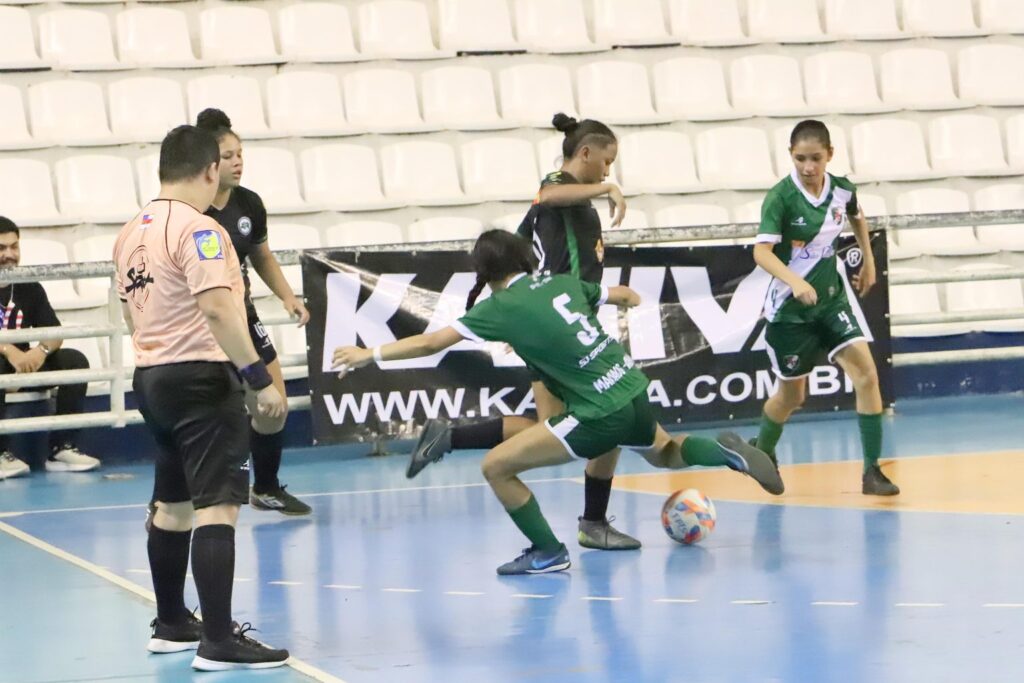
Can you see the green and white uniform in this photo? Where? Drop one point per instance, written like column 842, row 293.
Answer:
column 805, row 231
column 551, row 323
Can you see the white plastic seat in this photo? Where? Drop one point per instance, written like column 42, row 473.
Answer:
column 17, row 40
column 362, row 233
column 767, row 85
column 271, row 172
column 889, row 149
column 986, row 295
column 616, row 93
column 50, row 102
column 93, row 249
column 499, row 169
column 509, row 222
column 292, row 274
column 940, row 18
column 13, row 122
column 145, row 109
column 873, row 205
column 1001, row 16
column 734, row 158
column 920, row 299
column 676, row 96
column 635, row 219
column 383, row 101
column 306, row 103
column 955, row 241
column 966, row 144
column 316, row 32
column 476, row 26
column 461, row 98
column 707, row 22
column 656, row 161
column 549, row 154
column 631, row 23
column 840, row 164
column 992, row 74
column 78, row 39
column 748, row 212
column 554, row 26
column 785, row 21
column 690, row 215
column 421, row 173
column 290, row 340
column 238, row 96
column 862, row 20
column 26, row 193
column 444, row 229
column 97, row 188
column 396, row 29
column 918, row 78
column 842, row 82
column 61, row 293
column 1001, row 197
column 147, row 173
column 532, row 93
column 1015, row 141
column 343, row 177
column 155, row 37
column 237, row 35
column 287, row 236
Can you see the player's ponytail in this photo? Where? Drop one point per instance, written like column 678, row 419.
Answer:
column 581, row 133
column 496, row 255
column 215, row 121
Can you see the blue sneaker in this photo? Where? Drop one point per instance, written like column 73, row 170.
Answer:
column 746, row 459
column 536, row 561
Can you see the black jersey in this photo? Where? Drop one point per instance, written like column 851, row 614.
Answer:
column 245, row 219
column 25, row 304
column 566, row 239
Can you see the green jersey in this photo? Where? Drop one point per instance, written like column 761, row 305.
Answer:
column 805, row 230
column 550, row 321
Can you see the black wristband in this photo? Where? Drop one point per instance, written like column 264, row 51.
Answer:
column 256, row 375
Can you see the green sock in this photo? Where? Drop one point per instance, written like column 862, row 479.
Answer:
column 768, row 437
column 531, row 522
column 700, row 451
column 870, row 438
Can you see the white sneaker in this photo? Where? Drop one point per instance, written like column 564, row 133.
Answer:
column 70, row 459
column 11, row 466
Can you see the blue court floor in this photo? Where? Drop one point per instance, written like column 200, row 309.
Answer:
column 392, row 581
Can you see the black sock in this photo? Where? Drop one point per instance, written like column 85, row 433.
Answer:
column 168, row 562
column 483, row 434
column 213, row 566
column 266, row 460
column 596, row 494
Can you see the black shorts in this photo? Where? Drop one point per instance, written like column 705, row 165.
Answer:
column 196, row 412
column 260, row 338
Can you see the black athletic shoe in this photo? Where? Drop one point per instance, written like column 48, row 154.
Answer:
column 280, row 500
column 179, row 637
column 753, row 442
column 742, row 457
column 238, row 651
column 435, row 441
column 875, row 483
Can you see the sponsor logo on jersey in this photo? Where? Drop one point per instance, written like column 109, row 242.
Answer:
column 244, row 226
column 208, row 245
column 801, row 222
column 790, row 362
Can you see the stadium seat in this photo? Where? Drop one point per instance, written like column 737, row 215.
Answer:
column 889, row 149
column 383, row 101
column 986, row 295
column 616, row 93
column 290, row 340
column 690, row 215
column 873, row 205
column 61, row 293
column 1001, row 16
column 631, row 23
column 78, row 40
column 144, row 109
column 555, row 26
column 316, row 32
column 147, row 175
column 98, row 247
column 97, row 188
column 918, row 78
column 710, row 23
column 396, row 29
column 13, row 123
column 862, row 20
column 1001, row 197
column 674, row 94
column 955, row 241
column 362, row 233
column 785, row 21
column 549, row 154
column 767, row 85
column 966, row 145
column 287, row 236
column 271, row 172
column 306, row 103
column 510, row 221
column 840, row 82
column 17, row 41
column 1015, row 141
column 748, row 212
column 840, row 164
column 657, row 161
column 940, row 18
column 499, row 169
column 26, row 194
column 918, row 300
column 635, row 219
column 444, row 229
column 476, row 26
column 238, row 96
column 343, row 177
column 49, row 103
column 421, row 173
column 461, row 98
column 531, row 94
column 992, row 74
column 734, row 158
column 155, row 37
column 237, row 35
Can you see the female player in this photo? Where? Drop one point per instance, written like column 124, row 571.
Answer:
column 807, row 309
column 565, row 230
column 240, row 211
column 604, row 394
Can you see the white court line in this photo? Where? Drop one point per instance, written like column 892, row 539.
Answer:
column 239, row 579
column 401, row 590
column 344, row 587
column 530, row 596
column 466, row 593
column 834, row 603
column 677, row 601
column 751, row 602
column 1004, row 605
column 300, row 666
column 284, row 583
column 137, row 571
column 920, row 604
column 597, row 598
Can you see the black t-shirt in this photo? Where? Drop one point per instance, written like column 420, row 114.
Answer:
column 23, row 305
column 566, row 239
column 245, row 219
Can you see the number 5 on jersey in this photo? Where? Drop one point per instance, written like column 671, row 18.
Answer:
column 588, row 335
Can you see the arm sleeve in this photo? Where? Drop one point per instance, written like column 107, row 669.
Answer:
column 481, row 323
column 596, row 294
column 259, row 220
column 770, row 230
column 43, row 315
column 202, row 256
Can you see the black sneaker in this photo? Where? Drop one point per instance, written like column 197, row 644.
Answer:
column 280, row 500
column 749, row 460
column 875, row 483
column 753, row 442
column 238, row 651
column 435, row 441
column 179, row 637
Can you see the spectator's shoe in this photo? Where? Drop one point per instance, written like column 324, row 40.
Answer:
column 279, row 499
column 749, row 460
column 536, row 561
column 67, row 458
column 875, row 483
column 175, row 637
column 435, row 441
column 11, row 467
column 601, row 535
column 238, row 651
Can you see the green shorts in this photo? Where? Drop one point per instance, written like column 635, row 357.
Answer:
column 795, row 348
column 632, row 426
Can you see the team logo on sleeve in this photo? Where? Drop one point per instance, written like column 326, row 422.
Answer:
column 208, row 245
column 244, row 226
column 791, row 362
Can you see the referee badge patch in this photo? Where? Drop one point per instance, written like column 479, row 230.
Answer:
column 244, row 226
column 208, row 245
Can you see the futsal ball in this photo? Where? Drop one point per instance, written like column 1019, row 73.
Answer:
column 688, row 516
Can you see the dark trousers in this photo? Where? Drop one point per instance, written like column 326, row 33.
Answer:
column 70, row 397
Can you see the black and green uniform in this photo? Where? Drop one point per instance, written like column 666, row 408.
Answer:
column 805, row 231
column 605, row 395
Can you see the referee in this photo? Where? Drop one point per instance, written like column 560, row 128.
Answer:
column 181, row 290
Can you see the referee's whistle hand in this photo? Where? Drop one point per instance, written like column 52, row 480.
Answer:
column 269, row 402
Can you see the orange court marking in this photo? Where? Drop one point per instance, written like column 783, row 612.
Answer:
column 982, row 483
